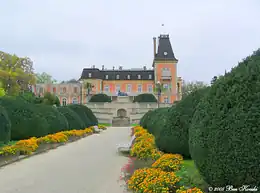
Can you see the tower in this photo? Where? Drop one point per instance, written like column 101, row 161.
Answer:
column 165, row 68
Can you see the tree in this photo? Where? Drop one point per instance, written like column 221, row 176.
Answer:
column 16, row 74
column 44, row 78
column 189, row 87
column 88, row 86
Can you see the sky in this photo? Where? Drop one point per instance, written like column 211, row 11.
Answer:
column 63, row 36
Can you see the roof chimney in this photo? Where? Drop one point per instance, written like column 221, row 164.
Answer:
column 145, row 68
column 120, row 67
column 103, row 67
column 113, row 68
column 154, row 46
column 93, row 66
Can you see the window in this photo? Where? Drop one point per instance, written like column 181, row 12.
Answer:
column 75, row 90
column 166, row 100
column 89, row 75
column 64, row 90
column 129, row 88
column 117, row 76
column 165, row 86
column 139, row 88
column 106, row 76
column 150, row 76
column 150, row 88
column 64, row 102
column 139, row 76
column 74, row 100
column 118, row 88
column 41, row 90
column 128, row 76
column 106, row 88
column 54, row 90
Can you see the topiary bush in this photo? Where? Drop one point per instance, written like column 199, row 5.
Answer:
column 224, row 136
column 74, row 121
column 174, row 136
column 90, row 115
column 144, row 120
column 5, row 126
column 57, row 121
column 100, row 98
column 26, row 120
column 145, row 98
column 80, row 110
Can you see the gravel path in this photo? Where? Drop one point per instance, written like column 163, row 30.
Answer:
column 90, row 165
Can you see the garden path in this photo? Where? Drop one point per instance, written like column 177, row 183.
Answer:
column 90, row 165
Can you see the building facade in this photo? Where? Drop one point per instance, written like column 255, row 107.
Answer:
column 162, row 80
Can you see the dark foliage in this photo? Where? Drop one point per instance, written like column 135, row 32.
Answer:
column 100, row 98
column 5, row 126
column 224, row 136
column 145, row 98
column 81, row 112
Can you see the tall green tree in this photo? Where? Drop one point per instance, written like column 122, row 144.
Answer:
column 43, row 78
column 189, row 87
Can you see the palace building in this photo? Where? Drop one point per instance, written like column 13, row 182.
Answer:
column 162, row 76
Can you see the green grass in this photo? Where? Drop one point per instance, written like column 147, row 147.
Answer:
column 190, row 176
column 134, row 124
column 106, row 124
column 9, row 143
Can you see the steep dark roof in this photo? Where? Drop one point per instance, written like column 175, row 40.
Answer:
column 112, row 74
column 164, row 46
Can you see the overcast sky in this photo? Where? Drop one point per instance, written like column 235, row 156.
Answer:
column 64, row 36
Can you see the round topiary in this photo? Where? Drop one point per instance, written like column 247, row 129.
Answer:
column 145, row 118
column 5, row 126
column 90, row 115
column 224, row 136
column 174, row 136
column 80, row 110
column 100, row 98
column 73, row 119
column 145, row 98
column 57, row 121
column 26, row 120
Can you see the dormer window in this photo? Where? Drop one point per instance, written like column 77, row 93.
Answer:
column 150, row 76
column 89, row 75
column 128, row 76
column 117, row 76
column 139, row 76
column 106, row 76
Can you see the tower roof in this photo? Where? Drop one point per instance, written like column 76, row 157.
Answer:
column 164, row 51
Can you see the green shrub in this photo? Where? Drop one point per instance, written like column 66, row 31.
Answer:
column 155, row 120
column 145, row 98
column 100, row 98
column 174, row 136
column 57, row 122
column 26, row 121
column 80, row 110
column 5, row 126
column 224, row 136
column 74, row 121
column 90, row 115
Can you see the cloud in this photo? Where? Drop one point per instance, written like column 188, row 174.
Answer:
column 62, row 37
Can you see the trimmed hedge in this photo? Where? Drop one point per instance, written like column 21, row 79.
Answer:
column 155, row 120
column 26, row 120
column 145, row 98
column 57, row 121
column 100, row 98
column 174, row 137
column 74, row 121
column 5, row 126
column 80, row 110
column 90, row 115
column 224, row 136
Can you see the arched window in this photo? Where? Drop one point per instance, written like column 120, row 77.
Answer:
column 64, row 102
column 74, row 100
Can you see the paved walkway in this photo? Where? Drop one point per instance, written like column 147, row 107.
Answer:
column 90, row 165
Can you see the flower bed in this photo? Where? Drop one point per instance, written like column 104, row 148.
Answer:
column 27, row 147
column 157, row 172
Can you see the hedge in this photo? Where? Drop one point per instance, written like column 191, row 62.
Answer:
column 174, row 137
column 80, row 111
column 103, row 98
column 26, row 120
column 57, row 122
column 5, row 126
column 74, row 121
column 145, row 98
column 224, row 135
column 90, row 115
